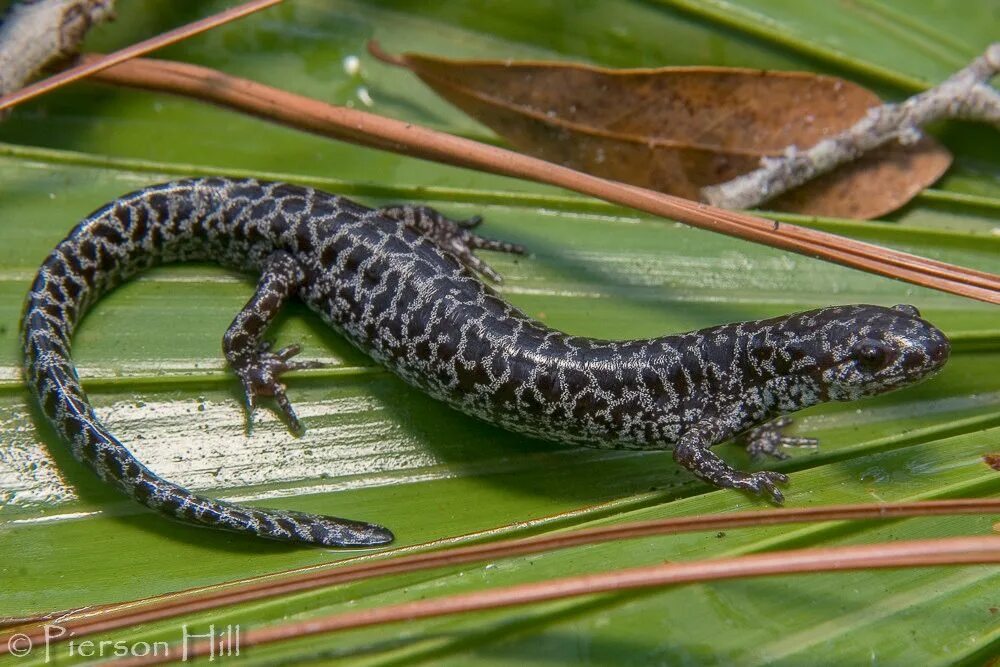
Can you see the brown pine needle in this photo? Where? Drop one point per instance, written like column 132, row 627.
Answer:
column 374, row 131
column 903, row 554
column 93, row 65
column 113, row 617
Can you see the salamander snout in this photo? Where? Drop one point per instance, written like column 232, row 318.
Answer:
column 930, row 355
column 924, row 348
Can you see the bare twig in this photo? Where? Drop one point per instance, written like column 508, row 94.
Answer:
column 966, row 95
column 37, row 33
column 375, row 131
column 93, row 65
column 913, row 553
column 112, row 617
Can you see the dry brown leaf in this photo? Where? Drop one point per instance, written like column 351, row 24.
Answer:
column 678, row 129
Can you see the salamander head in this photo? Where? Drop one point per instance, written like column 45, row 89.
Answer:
column 857, row 351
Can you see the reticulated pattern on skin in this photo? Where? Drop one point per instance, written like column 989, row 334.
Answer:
column 392, row 285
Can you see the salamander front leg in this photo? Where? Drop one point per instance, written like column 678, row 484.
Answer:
column 251, row 357
column 692, row 452
column 453, row 236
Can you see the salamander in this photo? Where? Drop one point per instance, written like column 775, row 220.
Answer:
column 402, row 283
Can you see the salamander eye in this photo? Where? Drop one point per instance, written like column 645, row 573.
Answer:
column 870, row 353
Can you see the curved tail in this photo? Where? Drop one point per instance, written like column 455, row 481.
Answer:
column 98, row 254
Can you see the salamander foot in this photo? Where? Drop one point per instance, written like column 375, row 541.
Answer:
column 762, row 483
column 259, row 374
column 453, row 236
column 769, row 439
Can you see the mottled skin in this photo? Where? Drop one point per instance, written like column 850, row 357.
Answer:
column 397, row 283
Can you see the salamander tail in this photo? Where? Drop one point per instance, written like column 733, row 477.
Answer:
column 59, row 296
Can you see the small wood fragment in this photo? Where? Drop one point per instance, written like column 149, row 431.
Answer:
column 38, row 33
column 966, row 95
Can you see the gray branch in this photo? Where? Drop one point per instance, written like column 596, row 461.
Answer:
column 38, row 33
column 966, row 95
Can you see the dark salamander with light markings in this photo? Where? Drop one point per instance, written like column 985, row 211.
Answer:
column 400, row 283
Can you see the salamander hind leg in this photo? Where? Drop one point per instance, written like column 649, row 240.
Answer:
column 692, row 451
column 453, row 236
column 769, row 440
column 258, row 367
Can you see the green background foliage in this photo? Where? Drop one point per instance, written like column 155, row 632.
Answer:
column 376, row 449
